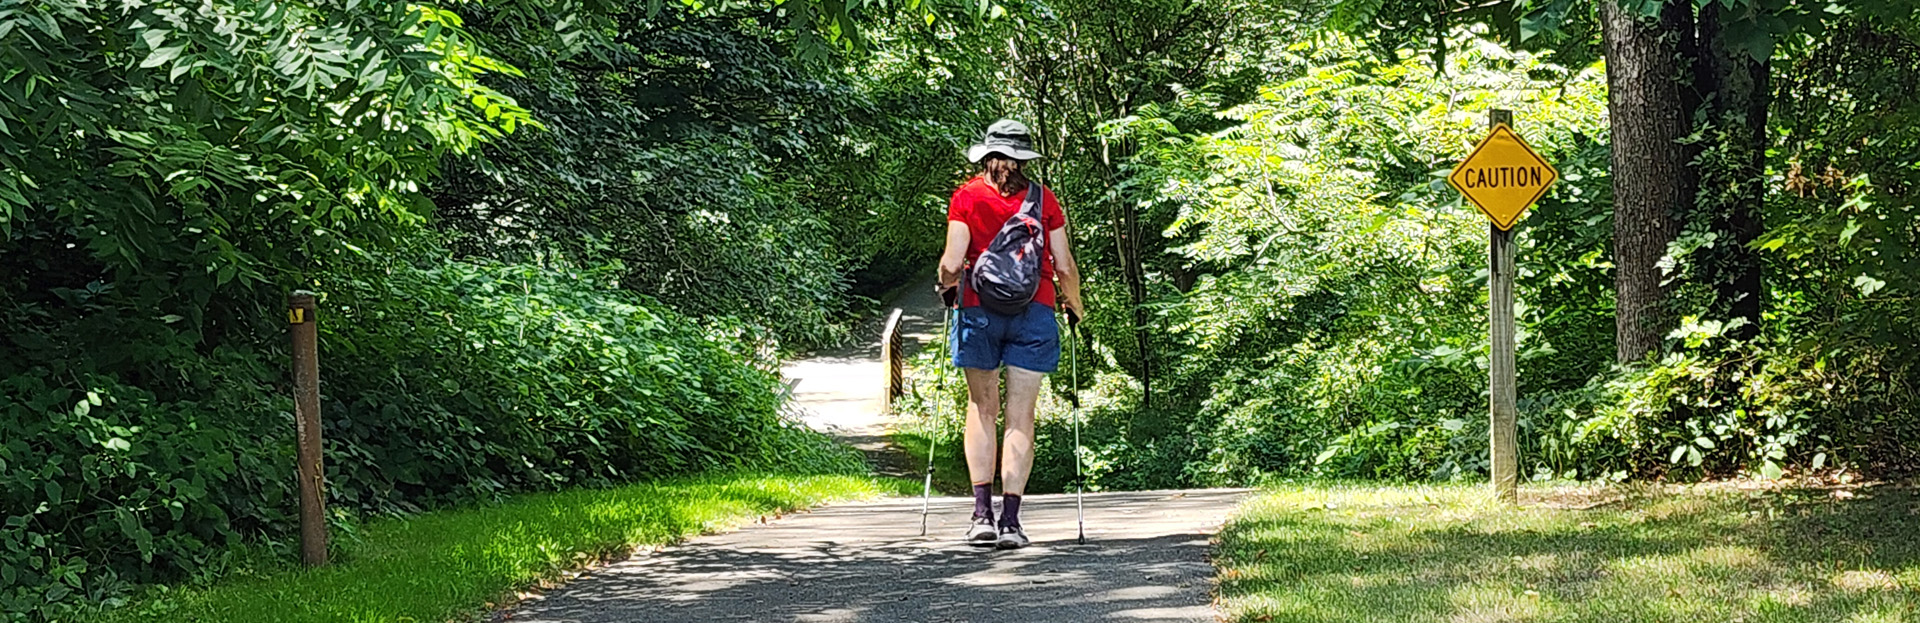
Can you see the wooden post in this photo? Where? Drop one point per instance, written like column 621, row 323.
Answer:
column 894, row 358
column 306, row 426
column 1500, row 386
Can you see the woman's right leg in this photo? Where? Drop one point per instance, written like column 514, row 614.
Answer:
column 983, row 418
column 983, row 414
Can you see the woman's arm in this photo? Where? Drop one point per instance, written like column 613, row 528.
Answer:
column 1065, row 272
column 954, row 259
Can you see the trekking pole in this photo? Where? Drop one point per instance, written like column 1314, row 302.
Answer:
column 1079, row 479
column 940, row 392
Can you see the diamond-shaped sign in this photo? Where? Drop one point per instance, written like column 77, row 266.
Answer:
column 1503, row 177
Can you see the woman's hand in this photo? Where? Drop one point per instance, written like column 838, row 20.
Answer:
column 1076, row 311
column 950, row 269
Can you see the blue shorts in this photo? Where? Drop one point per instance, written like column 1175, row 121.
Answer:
column 984, row 340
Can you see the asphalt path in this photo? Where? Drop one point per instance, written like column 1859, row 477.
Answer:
column 1145, row 558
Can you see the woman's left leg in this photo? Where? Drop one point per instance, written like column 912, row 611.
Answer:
column 1016, row 453
column 1016, row 449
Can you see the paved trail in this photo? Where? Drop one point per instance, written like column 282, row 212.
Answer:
column 839, row 391
column 1146, row 559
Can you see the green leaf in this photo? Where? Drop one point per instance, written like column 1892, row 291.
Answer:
column 10, row 191
column 162, row 55
column 128, row 523
column 1868, row 285
column 154, row 37
column 1547, row 20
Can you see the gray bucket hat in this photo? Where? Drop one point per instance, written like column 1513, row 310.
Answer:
column 1005, row 136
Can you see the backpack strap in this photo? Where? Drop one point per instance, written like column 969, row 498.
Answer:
column 1036, row 194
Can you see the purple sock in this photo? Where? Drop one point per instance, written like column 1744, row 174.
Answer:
column 983, row 501
column 1010, row 511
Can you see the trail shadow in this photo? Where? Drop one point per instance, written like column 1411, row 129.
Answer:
column 822, row 582
column 866, row 564
column 886, row 459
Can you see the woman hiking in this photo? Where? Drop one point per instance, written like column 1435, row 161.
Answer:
column 1006, row 247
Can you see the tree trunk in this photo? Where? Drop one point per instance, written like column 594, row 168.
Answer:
column 1650, row 107
column 1731, row 183
column 1133, row 269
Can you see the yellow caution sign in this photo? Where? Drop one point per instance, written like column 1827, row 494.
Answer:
column 1503, row 177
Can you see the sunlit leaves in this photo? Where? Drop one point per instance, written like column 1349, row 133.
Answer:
column 1330, row 175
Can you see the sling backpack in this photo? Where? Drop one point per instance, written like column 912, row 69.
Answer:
column 1007, row 274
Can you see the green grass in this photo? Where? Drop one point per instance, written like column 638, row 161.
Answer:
column 949, row 464
column 1422, row 553
column 454, row 564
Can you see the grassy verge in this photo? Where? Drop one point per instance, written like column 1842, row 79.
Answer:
column 452, row 565
column 1337, row 553
column 949, row 462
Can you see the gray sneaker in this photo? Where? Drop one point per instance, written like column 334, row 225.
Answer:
column 1011, row 537
column 981, row 532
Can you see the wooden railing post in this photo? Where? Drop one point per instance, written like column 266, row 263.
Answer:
column 306, row 425
column 894, row 358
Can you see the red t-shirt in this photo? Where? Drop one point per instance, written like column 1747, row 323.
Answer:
column 984, row 211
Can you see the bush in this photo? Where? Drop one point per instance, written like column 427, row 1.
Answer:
column 470, row 379
column 1718, row 411
column 108, row 486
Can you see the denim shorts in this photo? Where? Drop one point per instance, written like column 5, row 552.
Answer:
column 985, row 340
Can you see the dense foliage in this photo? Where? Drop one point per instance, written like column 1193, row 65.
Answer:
column 718, row 170
column 169, row 172
column 1341, row 322
column 166, row 170
column 1311, row 296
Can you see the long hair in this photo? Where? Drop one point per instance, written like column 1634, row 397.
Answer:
column 1005, row 174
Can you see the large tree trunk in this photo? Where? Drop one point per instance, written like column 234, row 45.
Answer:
column 1650, row 106
column 1731, row 184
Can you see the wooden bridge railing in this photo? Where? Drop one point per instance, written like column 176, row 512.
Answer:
column 894, row 358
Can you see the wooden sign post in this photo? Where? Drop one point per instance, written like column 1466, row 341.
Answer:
column 1503, row 177
column 1501, row 394
column 306, row 427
